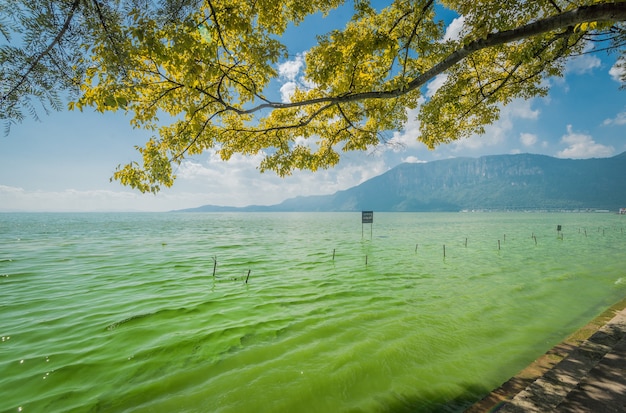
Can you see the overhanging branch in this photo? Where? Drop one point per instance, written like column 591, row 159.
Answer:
column 586, row 14
column 45, row 52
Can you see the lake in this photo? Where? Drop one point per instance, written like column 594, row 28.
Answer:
column 291, row 312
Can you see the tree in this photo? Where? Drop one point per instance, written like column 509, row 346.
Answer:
column 197, row 72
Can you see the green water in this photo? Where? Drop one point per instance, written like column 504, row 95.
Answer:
column 121, row 312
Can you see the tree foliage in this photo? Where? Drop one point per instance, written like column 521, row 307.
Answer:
column 198, row 73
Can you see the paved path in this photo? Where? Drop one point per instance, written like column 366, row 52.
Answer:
column 585, row 373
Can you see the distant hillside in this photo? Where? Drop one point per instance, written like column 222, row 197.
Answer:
column 499, row 182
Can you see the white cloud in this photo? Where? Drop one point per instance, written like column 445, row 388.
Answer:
column 10, row 190
column 581, row 145
column 618, row 70
column 71, row 200
column 496, row 133
column 347, row 174
column 521, row 109
column 584, row 63
column 238, row 182
column 407, row 138
column 434, row 85
column 412, row 159
column 217, row 167
column 528, row 139
column 620, row 119
column 454, row 30
column 291, row 73
column 291, row 69
column 306, row 142
column 286, row 91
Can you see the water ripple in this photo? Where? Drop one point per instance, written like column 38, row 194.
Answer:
column 123, row 312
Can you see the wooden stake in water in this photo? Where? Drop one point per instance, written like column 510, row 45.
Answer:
column 214, row 265
column 465, row 242
column 366, row 260
column 416, row 247
column 333, row 254
column 498, row 245
column 444, row 250
column 248, row 276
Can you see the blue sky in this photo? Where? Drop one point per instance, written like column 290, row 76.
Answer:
column 64, row 161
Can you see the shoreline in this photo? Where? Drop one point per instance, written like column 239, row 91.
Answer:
column 498, row 397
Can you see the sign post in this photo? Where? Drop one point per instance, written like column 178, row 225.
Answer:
column 367, row 217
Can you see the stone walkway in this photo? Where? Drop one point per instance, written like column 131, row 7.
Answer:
column 585, row 373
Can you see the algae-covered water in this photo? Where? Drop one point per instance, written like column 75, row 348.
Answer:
column 290, row 312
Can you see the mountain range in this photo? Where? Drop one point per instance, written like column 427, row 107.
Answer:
column 496, row 182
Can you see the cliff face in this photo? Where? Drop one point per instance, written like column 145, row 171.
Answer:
column 491, row 182
column 496, row 182
column 499, row 182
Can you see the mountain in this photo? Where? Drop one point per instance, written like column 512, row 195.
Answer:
column 498, row 182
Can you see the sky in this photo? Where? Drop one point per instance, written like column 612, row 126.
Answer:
column 63, row 163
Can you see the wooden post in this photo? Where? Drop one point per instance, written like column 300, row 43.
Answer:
column 248, row 276
column 214, row 265
column 333, row 254
column 498, row 245
column 444, row 250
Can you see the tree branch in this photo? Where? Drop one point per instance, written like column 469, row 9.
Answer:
column 41, row 55
column 585, row 14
